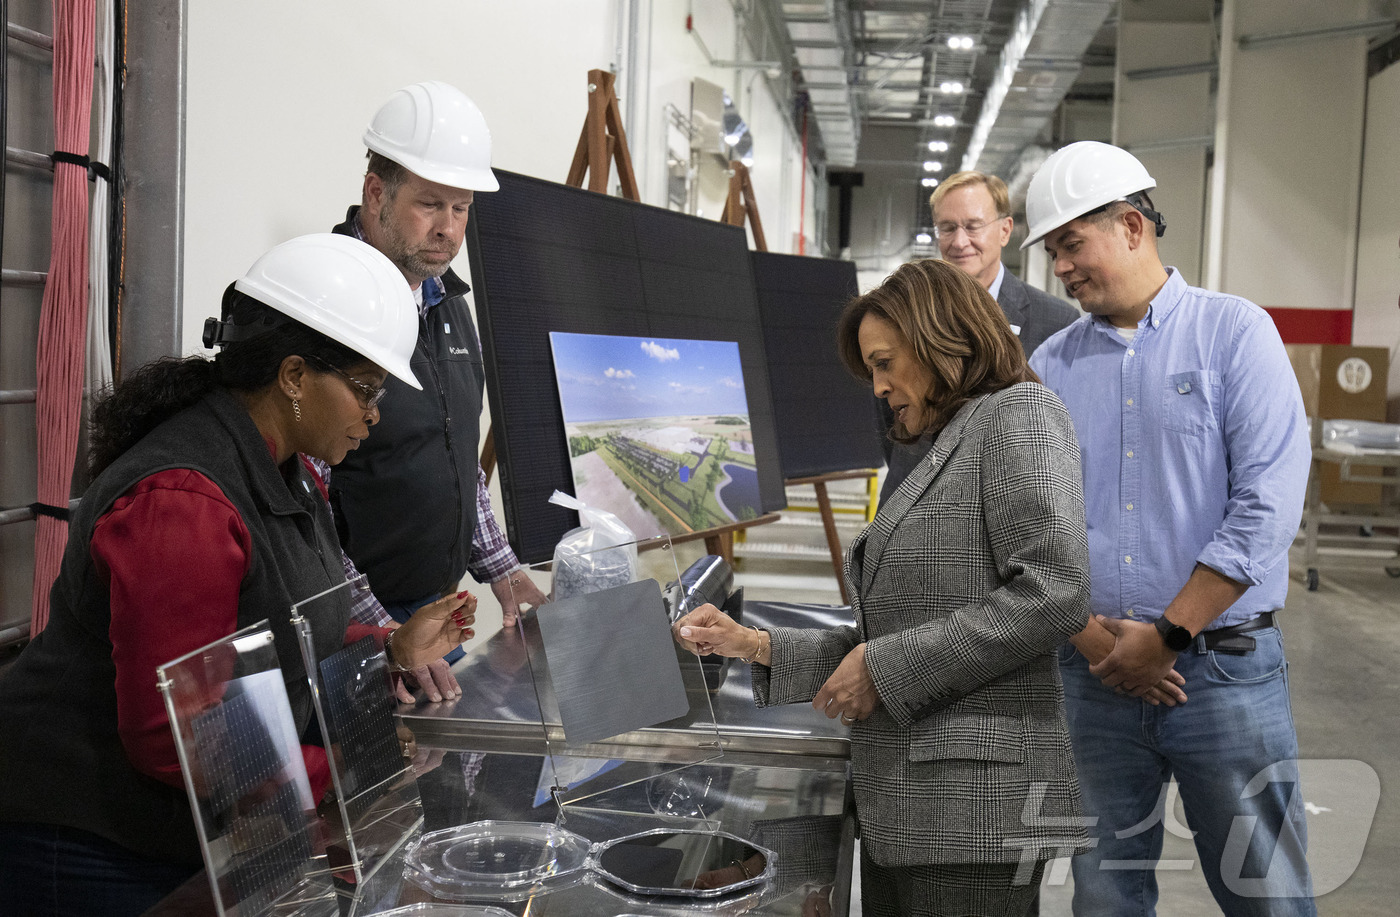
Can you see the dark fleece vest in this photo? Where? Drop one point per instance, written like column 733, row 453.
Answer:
column 405, row 501
column 61, row 758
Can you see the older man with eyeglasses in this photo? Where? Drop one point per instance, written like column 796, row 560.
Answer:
column 972, row 222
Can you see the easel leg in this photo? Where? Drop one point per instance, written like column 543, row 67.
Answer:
column 833, row 542
column 722, row 544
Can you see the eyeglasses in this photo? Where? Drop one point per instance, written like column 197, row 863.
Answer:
column 949, row 229
column 368, row 395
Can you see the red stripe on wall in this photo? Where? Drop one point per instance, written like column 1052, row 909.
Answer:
column 1312, row 326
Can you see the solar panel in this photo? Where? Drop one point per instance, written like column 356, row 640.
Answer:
column 827, row 419
column 546, row 257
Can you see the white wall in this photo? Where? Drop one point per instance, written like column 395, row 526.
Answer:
column 1157, row 119
column 279, row 94
column 1288, row 157
column 1377, row 318
column 671, row 60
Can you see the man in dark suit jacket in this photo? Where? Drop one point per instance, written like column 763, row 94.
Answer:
column 972, row 221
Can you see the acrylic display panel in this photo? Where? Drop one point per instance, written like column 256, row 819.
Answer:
column 375, row 785
column 546, row 257
column 606, row 670
column 827, row 419
column 247, row 782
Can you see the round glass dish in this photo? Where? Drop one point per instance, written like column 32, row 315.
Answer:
column 685, row 863
column 494, row 855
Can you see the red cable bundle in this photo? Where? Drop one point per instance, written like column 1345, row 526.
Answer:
column 63, row 319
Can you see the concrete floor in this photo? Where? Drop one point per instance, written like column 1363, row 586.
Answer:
column 1343, row 645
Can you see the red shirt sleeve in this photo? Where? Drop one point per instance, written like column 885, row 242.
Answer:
column 173, row 552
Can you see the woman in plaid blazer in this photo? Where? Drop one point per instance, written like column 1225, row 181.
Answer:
column 970, row 577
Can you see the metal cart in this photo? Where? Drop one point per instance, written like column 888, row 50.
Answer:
column 1315, row 515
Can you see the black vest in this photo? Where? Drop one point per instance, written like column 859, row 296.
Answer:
column 405, row 501
column 61, row 758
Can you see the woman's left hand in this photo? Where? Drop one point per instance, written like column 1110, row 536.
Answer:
column 850, row 691
column 435, row 630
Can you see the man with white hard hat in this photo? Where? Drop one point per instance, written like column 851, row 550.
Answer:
column 1195, row 454
column 972, row 222
column 412, row 505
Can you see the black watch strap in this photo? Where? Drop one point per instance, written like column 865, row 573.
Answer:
column 1176, row 637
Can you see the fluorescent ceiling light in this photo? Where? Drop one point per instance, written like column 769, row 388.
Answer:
column 950, row 88
column 1011, row 55
column 938, row 146
column 933, row 165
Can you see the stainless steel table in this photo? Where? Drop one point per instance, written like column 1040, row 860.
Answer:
column 778, row 777
column 804, row 816
column 500, row 707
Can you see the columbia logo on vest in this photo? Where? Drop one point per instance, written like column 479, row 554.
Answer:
column 459, row 351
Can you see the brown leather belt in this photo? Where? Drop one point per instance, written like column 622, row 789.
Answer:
column 1233, row 640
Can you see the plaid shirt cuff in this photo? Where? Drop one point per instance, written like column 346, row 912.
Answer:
column 491, row 556
column 364, row 607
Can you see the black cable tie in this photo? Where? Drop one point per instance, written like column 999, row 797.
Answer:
column 95, row 170
column 72, row 158
column 61, row 513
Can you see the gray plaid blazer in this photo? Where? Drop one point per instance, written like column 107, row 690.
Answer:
column 972, row 574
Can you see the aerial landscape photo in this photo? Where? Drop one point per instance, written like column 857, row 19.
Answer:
column 658, row 430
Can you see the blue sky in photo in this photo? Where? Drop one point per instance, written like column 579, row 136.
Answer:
column 607, row 377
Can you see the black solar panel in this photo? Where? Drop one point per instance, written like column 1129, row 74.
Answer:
column 546, row 257
column 827, row 420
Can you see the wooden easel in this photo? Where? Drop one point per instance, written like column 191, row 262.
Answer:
column 602, row 142
column 833, row 541
column 741, row 202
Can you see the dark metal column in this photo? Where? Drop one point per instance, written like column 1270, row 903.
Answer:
column 153, row 183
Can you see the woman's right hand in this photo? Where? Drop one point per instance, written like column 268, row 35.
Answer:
column 708, row 630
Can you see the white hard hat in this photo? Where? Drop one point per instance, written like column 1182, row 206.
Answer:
column 434, row 131
column 1078, row 178
column 345, row 289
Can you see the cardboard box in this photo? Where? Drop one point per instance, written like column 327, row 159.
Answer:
column 1341, row 382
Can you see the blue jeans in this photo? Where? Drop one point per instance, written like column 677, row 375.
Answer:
column 1233, row 751
column 53, row 871
column 402, row 611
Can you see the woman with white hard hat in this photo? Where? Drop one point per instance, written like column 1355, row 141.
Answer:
column 203, row 518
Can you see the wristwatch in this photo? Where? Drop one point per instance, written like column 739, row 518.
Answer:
column 1176, row 637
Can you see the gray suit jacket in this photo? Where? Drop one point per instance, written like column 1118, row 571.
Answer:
column 1037, row 314
column 970, row 577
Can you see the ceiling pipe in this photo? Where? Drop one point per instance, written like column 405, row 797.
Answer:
column 1290, row 36
column 1038, row 65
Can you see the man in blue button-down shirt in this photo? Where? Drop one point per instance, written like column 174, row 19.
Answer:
column 1195, row 456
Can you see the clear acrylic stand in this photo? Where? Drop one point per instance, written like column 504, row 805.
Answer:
column 247, row 782
column 612, row 685
column 375, row 786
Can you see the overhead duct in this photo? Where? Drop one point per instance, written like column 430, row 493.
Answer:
column 1039, row 64
column 822, row 44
